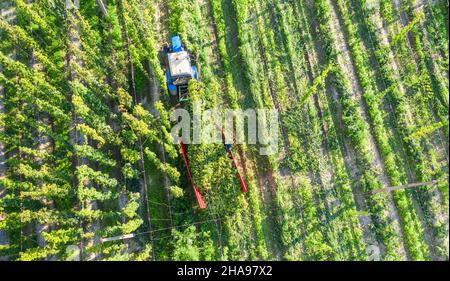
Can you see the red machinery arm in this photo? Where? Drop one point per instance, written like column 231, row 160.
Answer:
column 198, row 195
column 241, row 181
column 230, row 153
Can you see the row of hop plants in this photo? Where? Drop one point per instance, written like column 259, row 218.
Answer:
column 412, row 229
column 432, row 110
column 433, row 131
column 425, row 164
column 234, row 238
column 435, row 24
column 399, row 101
column 273, row 55
column 358, row 132
column 344, row 226
column 107, row 168
column 272, row 58
column 35, row 180
column 292, row 102
column 281, row 187
column 99, row 189
column 140, row 52
column 417, row 79
column 276, row 93
column 302, row 234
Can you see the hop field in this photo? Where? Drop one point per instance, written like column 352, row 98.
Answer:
column 88, row 169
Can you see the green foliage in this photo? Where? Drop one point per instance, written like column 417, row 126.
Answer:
column 184, row 245
column 89, row 153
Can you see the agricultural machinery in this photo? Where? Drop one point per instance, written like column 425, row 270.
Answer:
column 179, row 72
column 179, row 69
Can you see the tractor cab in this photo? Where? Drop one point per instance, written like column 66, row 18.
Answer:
column 179, row 69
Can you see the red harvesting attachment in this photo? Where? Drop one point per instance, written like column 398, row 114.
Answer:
column 241, row 181
column 230, row 154
column 198, row 195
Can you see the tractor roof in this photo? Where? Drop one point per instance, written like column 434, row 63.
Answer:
column 180, row 64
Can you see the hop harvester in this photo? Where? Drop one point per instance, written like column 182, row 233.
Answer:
column 179, row 69
column 179, row 72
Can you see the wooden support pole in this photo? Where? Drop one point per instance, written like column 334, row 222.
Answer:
column 102, row 7
column 392, row 188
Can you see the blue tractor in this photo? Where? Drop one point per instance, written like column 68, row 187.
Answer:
column 179, row 69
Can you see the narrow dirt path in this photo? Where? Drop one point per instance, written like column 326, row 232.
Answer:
column 270, row 216
column 161, row 29
column 213, row 48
